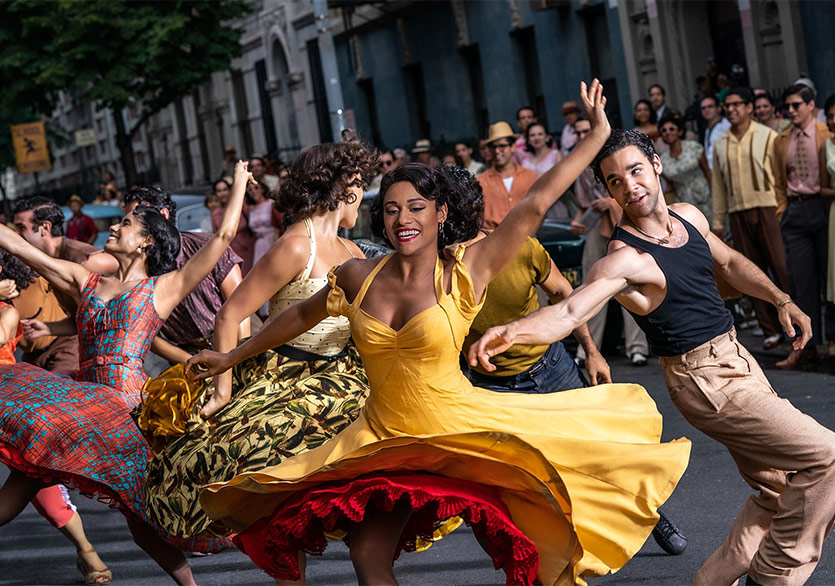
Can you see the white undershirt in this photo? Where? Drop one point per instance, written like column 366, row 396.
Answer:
column 508, row 182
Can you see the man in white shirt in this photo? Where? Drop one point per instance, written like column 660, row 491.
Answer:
column 717, row 124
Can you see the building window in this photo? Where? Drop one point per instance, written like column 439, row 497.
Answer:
column 320, row 97
column 416, row 100
column 367, row 90
column 242, row 111
column 526, row 55
column 266, row 107
column 472, row 61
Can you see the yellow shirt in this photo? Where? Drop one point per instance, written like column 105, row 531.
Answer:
column 742, row 172
column 512, row 295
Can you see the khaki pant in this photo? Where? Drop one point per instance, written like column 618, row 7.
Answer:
column 785, row 455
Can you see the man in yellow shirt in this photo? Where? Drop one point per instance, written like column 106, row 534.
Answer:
column 744, row 187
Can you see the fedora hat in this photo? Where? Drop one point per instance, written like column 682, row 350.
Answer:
column 424, row 145
column 500, row 130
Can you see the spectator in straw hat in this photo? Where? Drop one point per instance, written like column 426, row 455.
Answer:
column 568, row 138
column 423, row 151
column 505, row 183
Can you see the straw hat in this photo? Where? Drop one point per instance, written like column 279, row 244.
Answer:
column 500, row 130
column 75, row 198
column 570, row 107
column 424, row 145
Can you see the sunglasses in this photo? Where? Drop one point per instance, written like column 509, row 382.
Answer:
column 387, row 163
column 497, row 147
column 734, row 104
column 794, row 105
column 669, row 129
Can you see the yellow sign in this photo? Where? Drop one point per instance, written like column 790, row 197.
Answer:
column 30, row 148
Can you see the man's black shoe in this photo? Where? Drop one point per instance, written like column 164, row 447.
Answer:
column 749, row 581
column 668, row 537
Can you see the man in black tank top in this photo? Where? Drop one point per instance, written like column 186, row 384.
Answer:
column 659, row 267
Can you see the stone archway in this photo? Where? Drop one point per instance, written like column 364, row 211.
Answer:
column 281, row 87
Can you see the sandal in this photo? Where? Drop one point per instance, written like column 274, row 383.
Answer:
column 92, row 576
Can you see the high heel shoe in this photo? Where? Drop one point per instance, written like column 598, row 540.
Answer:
column 92, row 576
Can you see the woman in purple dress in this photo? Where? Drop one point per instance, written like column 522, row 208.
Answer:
column 79, row 433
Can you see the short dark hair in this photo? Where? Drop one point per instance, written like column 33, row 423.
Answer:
column 711, row 97
column 806, row 93
column 152, row 196
column 743, row 93
column 765, row 96
column 519, row 111
column 659, row 86
column 653, row 117
column 321, row 175
column 618, row 140
column 214, row 185
column 43, row 210
column 454, row 186
column 161, row 255
column 830, row 102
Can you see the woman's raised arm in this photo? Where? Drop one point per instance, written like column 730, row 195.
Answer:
column 176, row 285
column 490, row 256
column 68, row 277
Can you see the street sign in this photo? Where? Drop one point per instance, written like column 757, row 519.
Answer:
column 30, row 148
column 85, row 137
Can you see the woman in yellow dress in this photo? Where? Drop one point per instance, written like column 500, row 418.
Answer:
column 556, row 488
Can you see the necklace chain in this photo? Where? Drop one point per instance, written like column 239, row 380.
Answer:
column 660, row 239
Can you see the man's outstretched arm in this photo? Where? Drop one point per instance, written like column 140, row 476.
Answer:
column 606, row 279
column 747, row 278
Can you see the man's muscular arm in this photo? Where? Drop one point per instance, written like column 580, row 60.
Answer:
column 607, row 278
column 747, row 277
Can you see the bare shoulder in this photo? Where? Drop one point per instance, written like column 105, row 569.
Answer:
column 351, row 274
column 624, row 262
column 692, row 214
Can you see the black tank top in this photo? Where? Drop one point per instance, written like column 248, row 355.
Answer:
column 693, row 311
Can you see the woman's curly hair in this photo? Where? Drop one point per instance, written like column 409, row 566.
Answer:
column 161, row 255
column 321, row 176
column 451, row 185
column 14, row 269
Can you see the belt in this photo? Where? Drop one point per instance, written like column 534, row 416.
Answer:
column 803, row 196
column 699, row 352
column 303, row 355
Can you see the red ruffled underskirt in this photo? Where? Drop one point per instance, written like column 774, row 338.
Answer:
column 303, row 520
column 12, row 458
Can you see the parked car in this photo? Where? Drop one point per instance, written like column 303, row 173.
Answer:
column 564, row 247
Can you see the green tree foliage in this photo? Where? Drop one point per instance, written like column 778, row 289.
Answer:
column 119, row 53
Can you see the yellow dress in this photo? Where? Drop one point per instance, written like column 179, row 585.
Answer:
column 580, row 472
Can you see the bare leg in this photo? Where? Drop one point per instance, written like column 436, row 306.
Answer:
column 16, row 493
column 166, row 556
column 74, row 531
column 373, row 542
column 302, row 567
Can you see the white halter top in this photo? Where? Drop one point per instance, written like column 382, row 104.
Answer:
column 329, row 336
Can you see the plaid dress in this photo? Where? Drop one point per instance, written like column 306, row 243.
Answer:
column 79, row 432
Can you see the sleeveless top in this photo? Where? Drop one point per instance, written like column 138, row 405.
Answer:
column 114, row 336
column 692, row 312
column 7, row 350
column 328, row 337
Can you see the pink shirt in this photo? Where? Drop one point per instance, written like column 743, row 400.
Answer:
column 811, row 185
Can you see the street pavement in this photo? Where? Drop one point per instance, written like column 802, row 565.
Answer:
column 704, row 505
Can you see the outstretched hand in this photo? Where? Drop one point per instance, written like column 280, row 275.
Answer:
column 494, row 341
column 791, row 315
column 594, row 105
column 243, row 173
column 34, row 328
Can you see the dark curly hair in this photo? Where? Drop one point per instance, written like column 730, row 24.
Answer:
column 321, row 175
column 43, row 210
column 673, row 116
column 155, row 197
column 14, row 269
column 451, row 185
column 161, row 255
column 618, row 140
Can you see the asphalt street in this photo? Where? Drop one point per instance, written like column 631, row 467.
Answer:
column 704, row 505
